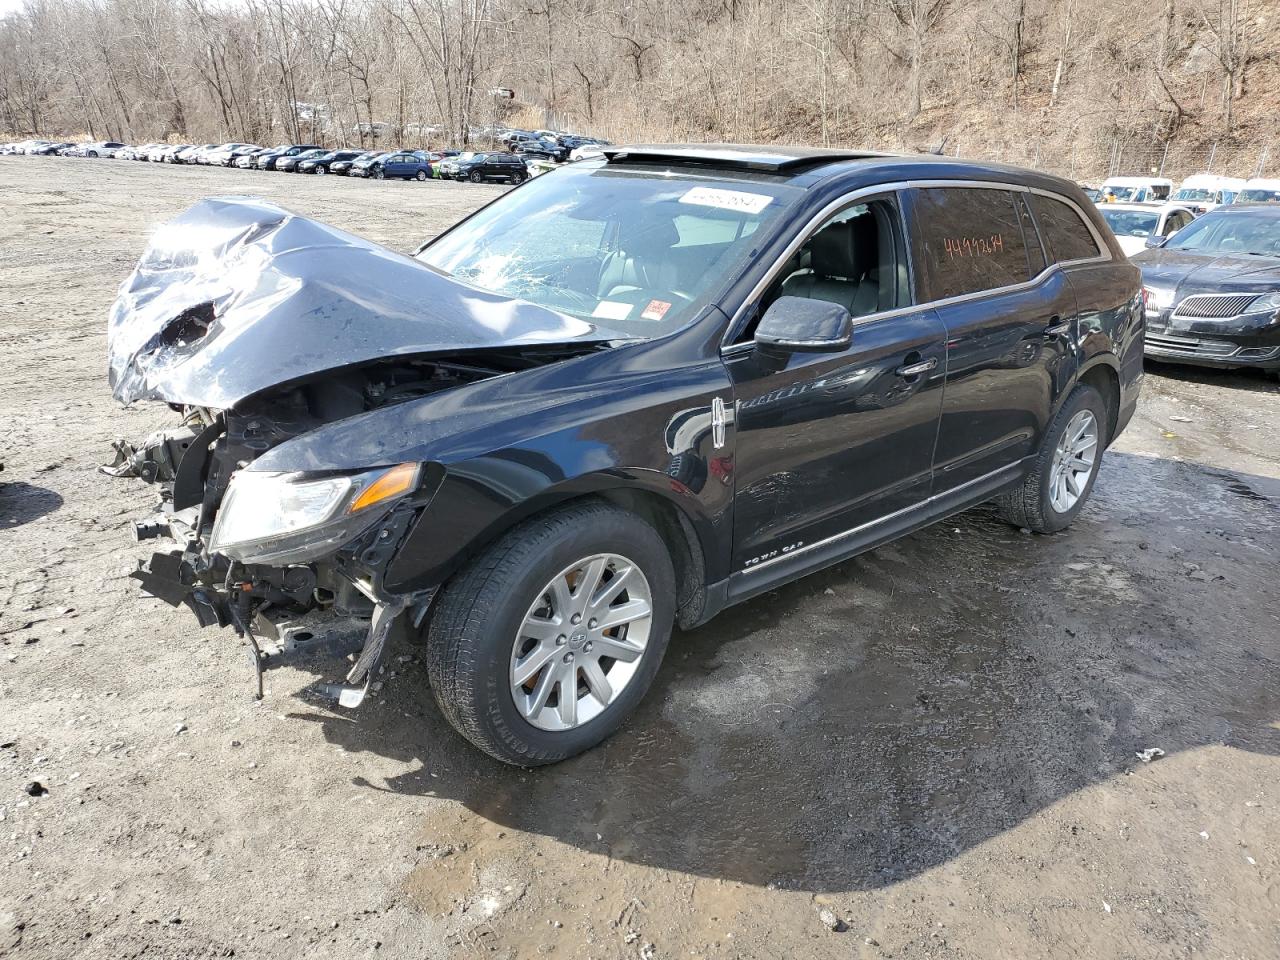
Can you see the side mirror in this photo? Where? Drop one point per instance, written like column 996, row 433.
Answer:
column 1155, row 240
column 802, row 325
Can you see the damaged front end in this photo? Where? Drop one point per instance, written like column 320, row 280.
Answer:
column 294, row 560
column 257, row 328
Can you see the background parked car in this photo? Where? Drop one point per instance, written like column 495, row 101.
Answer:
column 361, row 167
column 268, row 160
column 97, row 148
column 1135, row 223
column 288, row 164
column 401, row 165
column 222, row 155
column 190, row 153
column 343, row 167
column 1259, row 191
column 1212, row 290
column 1204, row 191
column 48, row 149
column 322, row 163
column 478, row 167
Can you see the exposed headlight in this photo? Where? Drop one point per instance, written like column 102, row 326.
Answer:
column 1156, row 299
column 273, row 517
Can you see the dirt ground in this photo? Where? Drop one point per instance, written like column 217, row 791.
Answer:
column 936, row 741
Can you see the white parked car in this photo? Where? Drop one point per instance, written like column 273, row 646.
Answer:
column 1204, row 191
column 1259, row 191
column 1136, row 189
column 1134, row 223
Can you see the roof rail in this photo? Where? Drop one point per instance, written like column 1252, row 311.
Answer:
column 735, row 157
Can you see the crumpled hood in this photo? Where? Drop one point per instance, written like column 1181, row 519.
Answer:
column 1190, row 272
column 237, row 295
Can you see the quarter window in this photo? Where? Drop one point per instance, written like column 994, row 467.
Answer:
column 969, row 239
column 1065, row 235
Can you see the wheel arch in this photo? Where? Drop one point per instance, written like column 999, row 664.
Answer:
column 1103, row 374
column 687, row 535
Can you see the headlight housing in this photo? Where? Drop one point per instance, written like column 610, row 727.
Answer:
column 1156, row 299
column 297, row 517
column 1267, row 303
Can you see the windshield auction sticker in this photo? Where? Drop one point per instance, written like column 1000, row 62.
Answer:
column 611, row 310
column 727, row 199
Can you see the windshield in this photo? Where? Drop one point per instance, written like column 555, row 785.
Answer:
column 1254, row 195
column 1130, row 223
column 640, row 250
column 1188, row 194
column 1122, row 193
column 1230, row 232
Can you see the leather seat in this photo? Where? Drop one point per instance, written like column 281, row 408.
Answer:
column 843, row 267
column 643, row 261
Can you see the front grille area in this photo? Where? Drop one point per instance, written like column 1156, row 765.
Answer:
column 1189, row 347
column 1214, row 305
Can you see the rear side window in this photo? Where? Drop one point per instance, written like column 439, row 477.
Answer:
column 968, row 239
column 1065, row 234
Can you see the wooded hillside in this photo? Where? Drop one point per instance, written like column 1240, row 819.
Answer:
column 1080, row 87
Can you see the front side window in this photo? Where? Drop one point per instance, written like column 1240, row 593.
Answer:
column 1065, row 234
column 968, row 239
column 856, row 259
column 639, row 250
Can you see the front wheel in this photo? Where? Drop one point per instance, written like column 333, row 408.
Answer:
column 380, row 175
column 548, row 639
column 319, row 170
column 1062, row 478
column 476, row 176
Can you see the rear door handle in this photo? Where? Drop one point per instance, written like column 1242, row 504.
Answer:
column 915, row 369
column 1057, row 327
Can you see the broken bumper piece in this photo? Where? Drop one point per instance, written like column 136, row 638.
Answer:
column 276, row 637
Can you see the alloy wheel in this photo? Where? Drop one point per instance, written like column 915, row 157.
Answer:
column 1074, row 461
column 581, row 642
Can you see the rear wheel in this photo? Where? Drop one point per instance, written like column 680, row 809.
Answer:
column 1062, row 479
column 546, row 641
column 517, row 178
column 422, row 175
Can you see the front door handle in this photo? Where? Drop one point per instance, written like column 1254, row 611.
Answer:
column 915, row 369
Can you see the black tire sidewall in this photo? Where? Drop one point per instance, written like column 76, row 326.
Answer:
column 476, row 176
column 1082, row 397
column 606, row 532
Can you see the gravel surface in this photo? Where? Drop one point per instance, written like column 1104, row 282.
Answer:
column 929, row 751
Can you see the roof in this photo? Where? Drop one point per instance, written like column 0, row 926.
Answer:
column 737, row 156
column 808, row 166
column 1138, row 181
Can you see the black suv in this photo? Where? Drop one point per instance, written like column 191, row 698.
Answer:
column 620, row 398
column 479, row 167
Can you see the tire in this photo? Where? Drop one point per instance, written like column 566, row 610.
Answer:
column 93, row 154
column 380, row 175
column 1032, row 504
column 475, row 634
column 517, row 178
column 318, row 170
column 421, row 176
column 476, row 176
